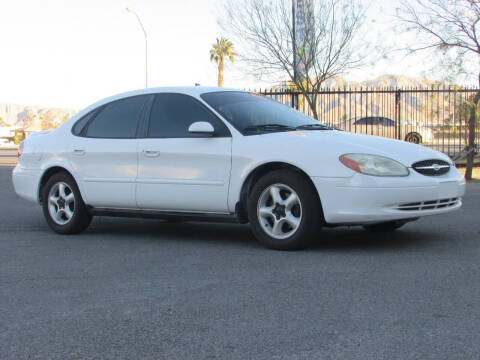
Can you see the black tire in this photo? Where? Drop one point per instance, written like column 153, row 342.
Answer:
column 80, row 219
column 385, row 226
column 414, row 138
column 310, row 219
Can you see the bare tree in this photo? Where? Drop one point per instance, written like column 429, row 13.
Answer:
column 326, row 45
column 448, row 26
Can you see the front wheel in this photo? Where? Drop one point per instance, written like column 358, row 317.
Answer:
column 63, row 207
column 284, row 211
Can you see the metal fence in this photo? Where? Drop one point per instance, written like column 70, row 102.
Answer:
column 435, row 117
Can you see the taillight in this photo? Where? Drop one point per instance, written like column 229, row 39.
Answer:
column 20, row 149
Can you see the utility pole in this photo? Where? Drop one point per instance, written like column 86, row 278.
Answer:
column 294, row 46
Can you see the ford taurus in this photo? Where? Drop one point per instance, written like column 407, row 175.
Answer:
column 196, row 153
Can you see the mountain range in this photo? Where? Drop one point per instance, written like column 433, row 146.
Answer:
column 32, row 117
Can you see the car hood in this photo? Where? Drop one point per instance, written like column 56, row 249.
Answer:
column 337, row 143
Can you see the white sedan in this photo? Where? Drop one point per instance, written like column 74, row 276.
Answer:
column 197, row 153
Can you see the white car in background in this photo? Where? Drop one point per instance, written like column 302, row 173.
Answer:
column 382, row 126
column 198, row 153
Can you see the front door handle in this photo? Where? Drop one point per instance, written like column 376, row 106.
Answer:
column 78, row 152
column 151, row 153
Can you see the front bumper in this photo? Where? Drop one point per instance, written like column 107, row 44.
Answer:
column 363, row 199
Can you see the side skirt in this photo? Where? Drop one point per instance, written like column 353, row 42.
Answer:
column 165, row 215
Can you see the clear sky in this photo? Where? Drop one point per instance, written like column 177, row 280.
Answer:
column 70, row 53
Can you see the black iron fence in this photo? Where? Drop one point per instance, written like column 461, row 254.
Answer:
column 435, row 117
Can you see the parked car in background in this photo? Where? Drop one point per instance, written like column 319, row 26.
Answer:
column 383, row 126
column 196, row 153
column 6, row 134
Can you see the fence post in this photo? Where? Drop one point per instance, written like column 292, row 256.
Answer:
column 472, row 136
column 398, row 95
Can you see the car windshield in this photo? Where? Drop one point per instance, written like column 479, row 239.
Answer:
column 252, row 113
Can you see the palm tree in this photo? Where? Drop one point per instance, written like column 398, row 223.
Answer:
column 221, row 49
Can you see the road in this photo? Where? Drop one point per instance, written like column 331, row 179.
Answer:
column 145, row 289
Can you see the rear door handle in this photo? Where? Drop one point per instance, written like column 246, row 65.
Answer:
column 78, row 152
column 151, row 153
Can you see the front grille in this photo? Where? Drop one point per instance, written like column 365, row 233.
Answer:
column 429, row 205
column 431, row 167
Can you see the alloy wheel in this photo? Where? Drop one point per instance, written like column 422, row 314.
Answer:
column 279, row 211
column 61, row 203
column 413, row 138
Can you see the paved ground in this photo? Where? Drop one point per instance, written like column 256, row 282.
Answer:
column 139, row 289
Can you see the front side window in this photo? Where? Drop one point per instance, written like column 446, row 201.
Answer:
column 253, row 114
column 172, row 114
column 118, row 119
column 364, row 121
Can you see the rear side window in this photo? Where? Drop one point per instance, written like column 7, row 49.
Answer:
column 118, row 119
column 172, row 114
column 80, row 124
column 387, row 122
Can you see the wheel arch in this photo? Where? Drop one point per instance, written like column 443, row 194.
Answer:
column 47, row 174
column 259, row 171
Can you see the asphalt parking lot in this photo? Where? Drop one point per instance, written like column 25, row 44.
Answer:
column 145, row 289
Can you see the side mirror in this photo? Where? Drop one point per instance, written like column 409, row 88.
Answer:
column 201, row 128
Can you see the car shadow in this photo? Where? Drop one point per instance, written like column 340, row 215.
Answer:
column 348, row 238
column 329, row 239
column 165, row 231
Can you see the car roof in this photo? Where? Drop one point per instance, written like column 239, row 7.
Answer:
column 189, row 90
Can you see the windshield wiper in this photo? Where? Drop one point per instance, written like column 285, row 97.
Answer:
column 269, row 127
column 313, row 127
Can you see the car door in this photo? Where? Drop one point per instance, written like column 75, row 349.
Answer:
column 104, row 153
column 374, row 124
column 388, row 127
column 179, row 171
column 360, row 126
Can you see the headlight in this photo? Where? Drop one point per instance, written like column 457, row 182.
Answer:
column 374, row 165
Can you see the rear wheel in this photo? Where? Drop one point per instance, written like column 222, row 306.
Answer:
column 413, row 138
column 284, row 211
column 63, row 207
column 385, row 226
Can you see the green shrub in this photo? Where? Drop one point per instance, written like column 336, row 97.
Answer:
column 18, row 137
